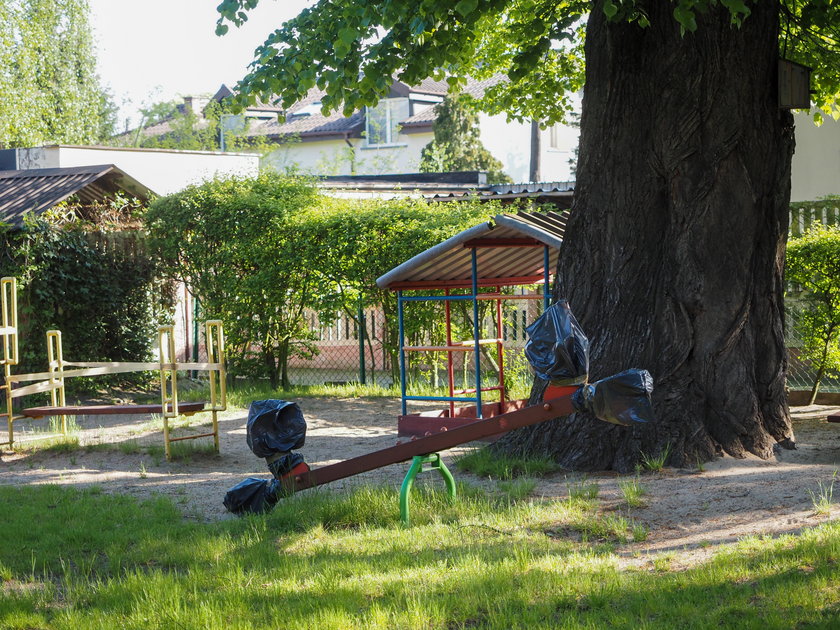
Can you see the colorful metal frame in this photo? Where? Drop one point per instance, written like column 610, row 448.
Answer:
column 9, row 345
column 53, row 380
column 475, row 344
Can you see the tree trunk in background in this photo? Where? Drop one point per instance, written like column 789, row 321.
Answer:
column 674, row 253
column 534, row 171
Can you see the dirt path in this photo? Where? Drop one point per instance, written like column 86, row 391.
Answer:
column 688, row 512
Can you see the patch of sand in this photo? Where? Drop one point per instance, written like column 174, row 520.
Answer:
column 689, row 513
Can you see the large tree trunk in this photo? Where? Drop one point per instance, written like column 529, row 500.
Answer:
column 674, row 253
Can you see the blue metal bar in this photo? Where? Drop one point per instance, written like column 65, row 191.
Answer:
column 437, row 298
column 546, row 285
column 476, row 333
column 400, row 319
column 447, row 398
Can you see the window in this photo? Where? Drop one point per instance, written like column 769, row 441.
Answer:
column 382, row 122
column 555, row 137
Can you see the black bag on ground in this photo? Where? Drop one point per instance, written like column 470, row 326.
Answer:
column 557, row 349
column 622, row 399
column 275, row 426
column 253, row 495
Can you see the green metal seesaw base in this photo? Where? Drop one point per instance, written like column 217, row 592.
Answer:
column 435, row 463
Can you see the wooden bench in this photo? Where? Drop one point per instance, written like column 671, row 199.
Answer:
column 835, row 418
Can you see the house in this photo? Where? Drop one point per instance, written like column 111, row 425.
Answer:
column 815, row 170
column 388, row 138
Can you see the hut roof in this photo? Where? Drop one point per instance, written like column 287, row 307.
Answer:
column 509, row 251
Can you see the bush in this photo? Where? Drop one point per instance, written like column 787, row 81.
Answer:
column 813, row 263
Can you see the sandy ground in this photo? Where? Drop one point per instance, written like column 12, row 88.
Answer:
column 689, row 513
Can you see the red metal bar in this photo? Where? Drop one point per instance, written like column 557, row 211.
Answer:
column 503, row 242
column 450, row 368
column 466, row 284
column 472, row 390
column 500, row 347
column 432, row 444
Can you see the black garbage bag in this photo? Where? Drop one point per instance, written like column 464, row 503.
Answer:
column 275, row 426
column 557, row 349
column 279, row 465
column 623, row 398
column 253, row 495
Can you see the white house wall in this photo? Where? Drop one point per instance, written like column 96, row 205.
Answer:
column 162, row 171
column 509, row 142
column 816, row 162
column 333, row 157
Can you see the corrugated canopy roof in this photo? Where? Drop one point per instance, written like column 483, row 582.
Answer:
column 509, row 251
column 36, row 190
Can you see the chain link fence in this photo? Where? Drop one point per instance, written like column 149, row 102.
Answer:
column 339, row 356
column 801, row 374
column 343, row 355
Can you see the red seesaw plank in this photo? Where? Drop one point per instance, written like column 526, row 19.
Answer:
column 186, row 408
column 438, row 442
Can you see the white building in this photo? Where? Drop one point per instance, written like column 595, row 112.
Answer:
column 815, row 171
column 163, row 171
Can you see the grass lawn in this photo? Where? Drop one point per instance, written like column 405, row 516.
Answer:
column 321, row 560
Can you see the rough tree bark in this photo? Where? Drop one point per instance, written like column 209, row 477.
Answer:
column 674, row 254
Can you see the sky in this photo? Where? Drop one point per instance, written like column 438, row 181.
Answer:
column 157, row 50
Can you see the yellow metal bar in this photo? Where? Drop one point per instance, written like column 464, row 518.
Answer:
column 190, row 437
column 55, row 359
column 168, row 381
column 215, row 341
column 113, row 368
column 9, row 334
column 8, row 289
column 35, row 388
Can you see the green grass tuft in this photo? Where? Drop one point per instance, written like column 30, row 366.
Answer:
column 823, row 498
column 583, row 490
column 633, row 490
column 485, row 463
column 655, row 463
column 517, row 489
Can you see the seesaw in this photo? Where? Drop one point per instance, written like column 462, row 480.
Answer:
column 622, row 399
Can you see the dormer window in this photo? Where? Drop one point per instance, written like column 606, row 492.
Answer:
column 308, row 110
column 382, row 122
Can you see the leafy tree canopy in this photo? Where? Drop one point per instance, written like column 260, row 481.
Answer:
column 51, row 92
column 351, row 48
column 191, row 131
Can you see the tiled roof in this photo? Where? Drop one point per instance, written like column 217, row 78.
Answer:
column 423, row 118
column 305, row 119
column 477, row 88
column 37, row 190
column 430, row 86
column 315, row 124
